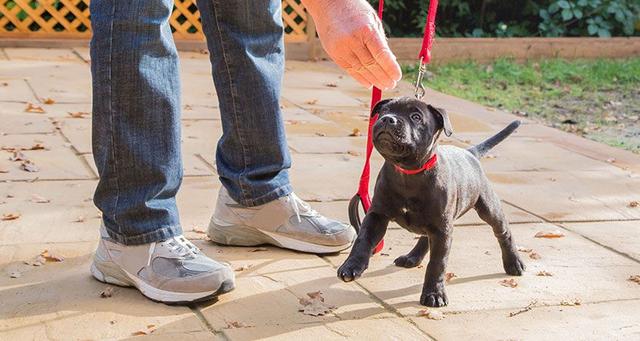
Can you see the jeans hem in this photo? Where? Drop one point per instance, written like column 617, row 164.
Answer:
column 160, row 234
column 278, row 192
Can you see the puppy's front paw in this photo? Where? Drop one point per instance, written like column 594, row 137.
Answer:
column 435, row 298
column 351, row 269
column 513, row 265
column 407, row 261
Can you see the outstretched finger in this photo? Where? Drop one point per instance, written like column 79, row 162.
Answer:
column 384, row 57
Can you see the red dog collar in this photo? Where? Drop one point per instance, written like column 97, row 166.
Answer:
column 427, row 165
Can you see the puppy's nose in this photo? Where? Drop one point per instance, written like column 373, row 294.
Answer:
column 388, row 119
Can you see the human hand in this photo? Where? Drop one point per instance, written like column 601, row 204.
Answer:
column 352, row 34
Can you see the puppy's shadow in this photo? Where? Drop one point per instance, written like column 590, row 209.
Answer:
column 461, row 280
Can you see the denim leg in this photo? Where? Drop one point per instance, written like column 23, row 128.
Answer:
column 246, row 44
column 136, row 119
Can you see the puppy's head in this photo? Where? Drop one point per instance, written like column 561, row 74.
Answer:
column 406, row 130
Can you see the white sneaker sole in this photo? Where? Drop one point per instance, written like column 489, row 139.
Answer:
column 159, row 295
column 242, row 235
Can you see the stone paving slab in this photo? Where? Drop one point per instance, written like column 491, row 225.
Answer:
column 38, row 54
column 57, row 162
column 621, row 236
column 25, row 124
column 571, row 195
column 16, row 90
column 581, row 270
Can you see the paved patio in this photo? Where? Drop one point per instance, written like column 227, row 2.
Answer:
column 548, row 180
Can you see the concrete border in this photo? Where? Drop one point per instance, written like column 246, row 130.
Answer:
column 444, row 49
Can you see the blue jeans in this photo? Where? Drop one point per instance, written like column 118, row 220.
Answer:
column 136, row 110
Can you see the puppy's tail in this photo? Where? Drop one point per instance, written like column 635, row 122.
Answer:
column 483, row 148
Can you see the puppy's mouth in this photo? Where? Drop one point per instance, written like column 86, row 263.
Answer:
column 389, row 143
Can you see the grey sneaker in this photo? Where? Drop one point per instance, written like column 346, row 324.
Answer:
column 287, row 222
column 173, row 271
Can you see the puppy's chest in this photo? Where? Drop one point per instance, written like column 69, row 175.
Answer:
column 412, row 215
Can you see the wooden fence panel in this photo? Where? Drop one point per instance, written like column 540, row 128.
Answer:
column 62, row 19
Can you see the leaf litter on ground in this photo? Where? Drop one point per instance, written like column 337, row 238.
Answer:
column 431, row 314
column 550, row 234
column 509, row 283
column 314, row 305
column 32, row 108
column 38, row 199
column 634, row 278
column 525, row 309
column 10, row 216
column 107, row 292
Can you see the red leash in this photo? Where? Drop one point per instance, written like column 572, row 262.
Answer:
column 362, row 196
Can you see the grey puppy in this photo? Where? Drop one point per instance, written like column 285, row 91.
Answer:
column 424, row 188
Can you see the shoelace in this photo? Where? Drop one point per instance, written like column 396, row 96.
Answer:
column 296, row 202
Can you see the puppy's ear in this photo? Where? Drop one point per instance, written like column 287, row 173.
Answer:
column 442, row 115
column 376, row 109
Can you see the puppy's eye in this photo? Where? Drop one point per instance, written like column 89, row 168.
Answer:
column 416, row 117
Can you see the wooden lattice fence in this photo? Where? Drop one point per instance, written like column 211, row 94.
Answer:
column 70, row 19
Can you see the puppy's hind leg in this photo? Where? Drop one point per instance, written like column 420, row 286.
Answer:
column 415, row 256
column 489, row 209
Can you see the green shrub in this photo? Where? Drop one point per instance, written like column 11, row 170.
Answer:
column 516, row 18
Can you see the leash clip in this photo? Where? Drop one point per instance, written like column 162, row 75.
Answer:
column 419, row 88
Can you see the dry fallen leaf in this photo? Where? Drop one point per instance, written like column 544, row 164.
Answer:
column 634, row 278
column 544, row 273
column 449, row 276
column 37, row 261
column 535, row 255
column 311, row 101
column 572, row 302
column 550, row 234
column 634, row 204
column 431, row 314
column 80, row 219
column 353, row 153
column 258, row 249
column 78, row 114
column 236, row 324
column 37, row 146
column 51, row 257
column 3, row 171
column 243, row 267
column 49, row 100
column 199, row 230
column 29, row 166
column 524, row 249
column 34, row 108
column 509, row 283
column 321, row 134
column 525, row 309
column 331, row 85
column 10, row 216
column 107, row 292
column 355, row 132
column 611, row 160
column 38, row 199
column 17, row 156
column 15, row 274
column 314, row 305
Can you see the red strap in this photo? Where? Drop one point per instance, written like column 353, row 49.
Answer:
column 427, row 165
column 429, row 33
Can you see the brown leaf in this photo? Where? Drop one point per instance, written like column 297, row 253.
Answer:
column 236, row 324
column 509, row 283
column 199, row 230
column 550, row 234
column 10, row 216
column 15, row 274
column 243, row 267
column 51, row 257
column 321, row 134
column 29, row 166
column 634, row 278
column 535, row 255
column 79, row 114
column 258, row 249
column 107, row 292
column 140, row 333
column 524, row 249
column 525, row 309
column 79, row 219
column 544, row 273
column 34, row 108
column 355, row 132
column 314, row 305
column 572, row 302
column 353, row 153
column 3, row 171
column 37, row 261
column 634, row 204
column 331, row 85
column 449, row 276
column 311, row 101
column 37, row 146
column 17, row 156
column 431, row 314
column 49, row 101
column 38, row 199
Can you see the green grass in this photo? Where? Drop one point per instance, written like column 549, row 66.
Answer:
column 597, row 95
